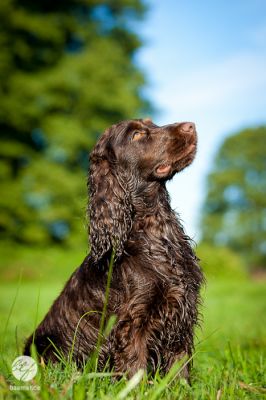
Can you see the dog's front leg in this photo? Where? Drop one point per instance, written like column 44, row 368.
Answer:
column 129, row 348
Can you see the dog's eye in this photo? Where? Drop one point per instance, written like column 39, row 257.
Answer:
column 137, row 135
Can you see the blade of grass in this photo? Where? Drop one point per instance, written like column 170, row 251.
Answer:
column 76, row 332
column 131, row 384
column 10, row 312
column 105, row 305
column 59, row 355
column 175, row 370
column 36, row 314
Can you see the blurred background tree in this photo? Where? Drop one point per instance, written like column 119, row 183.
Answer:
column 234, row 214
column 67, row 72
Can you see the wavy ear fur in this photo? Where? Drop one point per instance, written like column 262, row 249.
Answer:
column 110, row 211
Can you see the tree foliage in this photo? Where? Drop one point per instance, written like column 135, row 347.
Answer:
column 67, row 72
column 234, row 212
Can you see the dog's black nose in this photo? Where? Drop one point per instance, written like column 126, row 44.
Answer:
column 188, row 127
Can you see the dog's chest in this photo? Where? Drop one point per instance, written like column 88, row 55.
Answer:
column 152, row 294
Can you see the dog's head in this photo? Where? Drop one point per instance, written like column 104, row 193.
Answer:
column 151, row 151
column 129, row 155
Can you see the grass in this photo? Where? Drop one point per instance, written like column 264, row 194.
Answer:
column 228, row 362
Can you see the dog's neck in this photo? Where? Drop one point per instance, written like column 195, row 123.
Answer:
column 156, row 231
column 149, row 199
column 153, row 213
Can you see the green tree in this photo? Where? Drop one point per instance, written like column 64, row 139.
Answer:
column 67, row 72
column 234, row 213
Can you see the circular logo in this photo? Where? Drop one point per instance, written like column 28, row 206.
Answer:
column 24, row 368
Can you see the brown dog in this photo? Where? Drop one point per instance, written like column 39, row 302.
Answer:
column 156, row 279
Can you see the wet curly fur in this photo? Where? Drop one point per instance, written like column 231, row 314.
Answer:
column 156, row 278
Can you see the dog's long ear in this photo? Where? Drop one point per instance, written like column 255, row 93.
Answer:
column 110, row 211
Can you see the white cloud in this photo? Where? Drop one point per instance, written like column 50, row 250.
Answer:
column 215, row 85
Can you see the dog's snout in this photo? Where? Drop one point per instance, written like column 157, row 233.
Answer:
column 188, row 127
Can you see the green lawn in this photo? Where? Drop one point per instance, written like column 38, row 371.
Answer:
column 228, row 363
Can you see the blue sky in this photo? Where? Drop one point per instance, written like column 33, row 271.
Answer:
column 205, row 62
